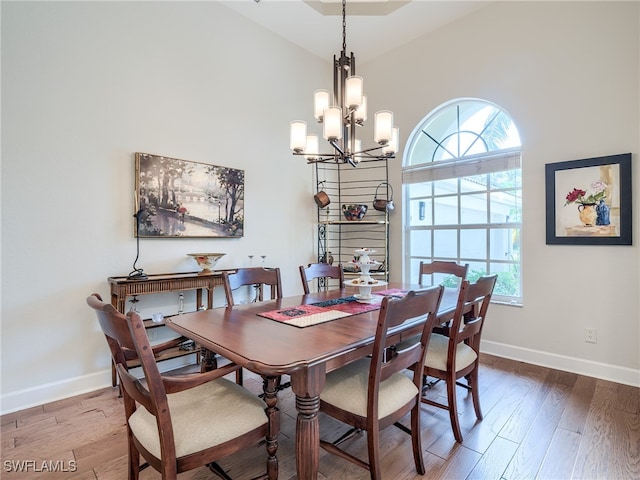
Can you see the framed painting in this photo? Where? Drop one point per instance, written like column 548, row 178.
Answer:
column 182, row 199
column 588, row 201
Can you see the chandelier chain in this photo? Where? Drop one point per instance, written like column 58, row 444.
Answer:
column 344, row 25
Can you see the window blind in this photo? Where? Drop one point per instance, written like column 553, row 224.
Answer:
column 462, row 167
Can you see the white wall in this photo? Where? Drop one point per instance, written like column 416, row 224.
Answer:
column 569, row 75
column 84, row 86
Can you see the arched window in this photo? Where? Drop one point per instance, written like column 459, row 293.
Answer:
column 463, row 194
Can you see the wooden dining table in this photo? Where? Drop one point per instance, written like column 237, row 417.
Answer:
column 272, row 348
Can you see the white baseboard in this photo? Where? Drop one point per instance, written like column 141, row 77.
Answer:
column 51, row 392
column 613, row 373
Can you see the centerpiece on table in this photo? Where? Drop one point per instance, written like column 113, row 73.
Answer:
column 365, row 282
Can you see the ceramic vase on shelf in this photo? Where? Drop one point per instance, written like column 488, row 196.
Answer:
column 588, row 214
column 604, row 212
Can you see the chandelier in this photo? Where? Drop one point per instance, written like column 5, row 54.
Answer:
column 340, row 113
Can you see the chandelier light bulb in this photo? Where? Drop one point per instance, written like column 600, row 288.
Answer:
column 392, row 147
column 383, row 127
column 312, row 149
column 298, row 136
column 361, row 111
column 356, row 147
column 332, row 123
column 320, row 103
column 354, row 91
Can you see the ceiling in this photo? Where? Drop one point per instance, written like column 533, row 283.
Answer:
column 373, row 26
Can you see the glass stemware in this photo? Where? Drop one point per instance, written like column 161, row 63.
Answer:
column 133, row 303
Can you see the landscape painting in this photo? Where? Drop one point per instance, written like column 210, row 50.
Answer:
column 184, row 199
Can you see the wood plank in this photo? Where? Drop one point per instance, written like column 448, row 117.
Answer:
column 512, row 392
column 561, row 455
column 525, row 414
column 575, row 415
column 495, row 460
column 530, row 454
column 593, row 459
column 460, row 463
column 627, row 398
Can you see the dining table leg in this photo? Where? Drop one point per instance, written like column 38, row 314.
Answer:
column 307, row 385
column 271, row 399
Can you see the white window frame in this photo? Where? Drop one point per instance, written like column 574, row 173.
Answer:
column 460, row 169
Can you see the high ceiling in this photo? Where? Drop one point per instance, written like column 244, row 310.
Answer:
column 373, row 26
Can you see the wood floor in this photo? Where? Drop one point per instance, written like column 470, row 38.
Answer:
column 538, row 423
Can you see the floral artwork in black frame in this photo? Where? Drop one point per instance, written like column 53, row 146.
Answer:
column 588, row 201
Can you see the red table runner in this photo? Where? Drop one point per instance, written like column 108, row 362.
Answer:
column 320, row 312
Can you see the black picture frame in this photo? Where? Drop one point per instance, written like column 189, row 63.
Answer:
column 572, row 187
column 177, row 198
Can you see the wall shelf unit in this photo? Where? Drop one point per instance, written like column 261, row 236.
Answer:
column 338, row 237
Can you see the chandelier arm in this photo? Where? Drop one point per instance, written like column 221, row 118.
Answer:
column 335, row 145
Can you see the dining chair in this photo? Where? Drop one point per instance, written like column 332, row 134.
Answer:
column 178, row 423
column 439, row 270
column 321, row 271
column 257, row 277
column 374, row 392
column 130, row 356
column 456, row 356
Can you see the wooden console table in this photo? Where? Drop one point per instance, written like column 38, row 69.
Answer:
column 123, row 287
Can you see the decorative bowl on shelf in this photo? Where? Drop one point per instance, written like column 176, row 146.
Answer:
column 206, row 261
column 354, row 212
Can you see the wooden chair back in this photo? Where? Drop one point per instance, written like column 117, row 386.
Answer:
column 442, row 268
column 257, row 276
column 456, row 355
column 385, row 358
column 320, row 270
column 387, row 363
column 116, row 331
column 127, row 356
column 152, row 394
column 474, row 299
column 128, row 332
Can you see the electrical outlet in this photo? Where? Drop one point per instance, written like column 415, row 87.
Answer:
column 151, row 333
column 591, row 335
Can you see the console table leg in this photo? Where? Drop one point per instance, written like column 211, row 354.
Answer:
column 209, row 361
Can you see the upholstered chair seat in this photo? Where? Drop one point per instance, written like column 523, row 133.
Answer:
column 439, row 349
column 347, row 387
column 231, row 411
